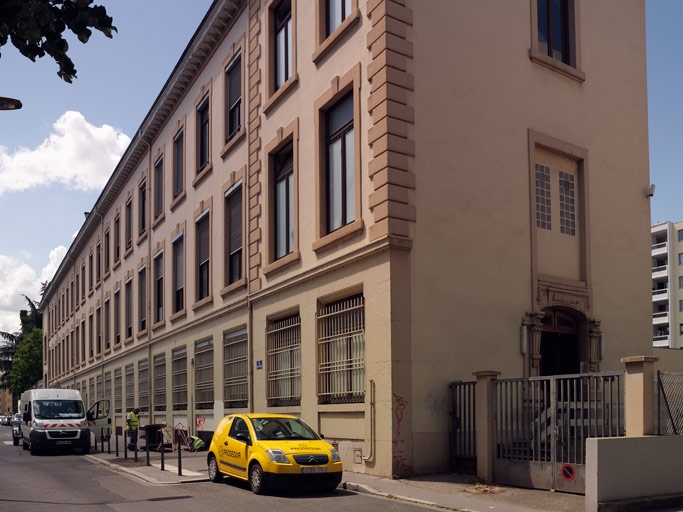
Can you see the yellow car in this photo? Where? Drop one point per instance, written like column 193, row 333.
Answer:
column 272, row 450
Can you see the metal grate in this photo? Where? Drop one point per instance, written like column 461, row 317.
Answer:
column 203, row 353
column 235, row 362
column 143, row 385
column 669, row 405
column 179, row 369
column 160, row 382
column 341, row 351
column 118, row 381
column 284, row 361
column 130, row 387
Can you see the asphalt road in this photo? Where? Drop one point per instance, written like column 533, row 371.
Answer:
column 70, row 482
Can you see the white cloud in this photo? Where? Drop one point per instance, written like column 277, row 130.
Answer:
column 77, row 155
column 17, row 279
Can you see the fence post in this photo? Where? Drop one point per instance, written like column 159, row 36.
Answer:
column 484, row 408
column 639, row 395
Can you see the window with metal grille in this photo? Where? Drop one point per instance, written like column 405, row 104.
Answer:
column 179, row 369
column 284, row 361
column 341, row 351
column 130, row 387
column 107, row 386
column 203, row 356
column 567, row 204
column 543, row 213
column 91, row 391
column 98, row 388
column 235, row 368
column 160, row 382
column 143, row 385
column 118, row 382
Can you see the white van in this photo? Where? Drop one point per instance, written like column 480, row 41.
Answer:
column 55, row 418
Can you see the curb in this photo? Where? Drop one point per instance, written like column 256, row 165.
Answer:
column 352, row 486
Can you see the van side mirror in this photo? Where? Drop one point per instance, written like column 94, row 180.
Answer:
column 26, row 416
column 90, row 416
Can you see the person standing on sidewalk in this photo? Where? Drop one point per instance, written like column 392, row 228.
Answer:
column 132, row 424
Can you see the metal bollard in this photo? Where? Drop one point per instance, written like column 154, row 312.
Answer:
column 180, row 461
column 108, row 440
column 163, row 449
column 117, row 445
column 95, row 434
column 147, row 446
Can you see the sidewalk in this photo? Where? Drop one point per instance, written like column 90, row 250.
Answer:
column 448, row 491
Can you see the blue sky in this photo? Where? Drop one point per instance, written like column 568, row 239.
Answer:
column 57, row 152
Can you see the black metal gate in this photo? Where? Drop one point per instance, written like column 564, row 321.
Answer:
column 463, row 432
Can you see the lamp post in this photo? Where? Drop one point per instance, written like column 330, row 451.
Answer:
column 9, row 103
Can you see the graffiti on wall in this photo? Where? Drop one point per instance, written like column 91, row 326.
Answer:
column 200, row 422
column 401, row 466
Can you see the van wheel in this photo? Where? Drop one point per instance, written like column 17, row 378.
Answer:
column 257, row 479
column 214, row 474
column 86, row 449
column 32, row 448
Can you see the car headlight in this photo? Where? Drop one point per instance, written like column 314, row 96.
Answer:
column 277, row 456
column 335, row 455
column 37, row 425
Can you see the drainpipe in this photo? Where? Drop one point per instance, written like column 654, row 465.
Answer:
column 250, row 341
column 370, row 457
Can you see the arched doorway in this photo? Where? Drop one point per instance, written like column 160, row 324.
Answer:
column 560, row 343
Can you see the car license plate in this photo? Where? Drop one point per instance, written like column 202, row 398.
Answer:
column 63, row 442
column 314, row 469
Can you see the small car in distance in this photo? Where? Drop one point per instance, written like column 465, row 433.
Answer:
column 272, row 451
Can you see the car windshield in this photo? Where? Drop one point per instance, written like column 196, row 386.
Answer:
column 58, row 409
column 282, row 428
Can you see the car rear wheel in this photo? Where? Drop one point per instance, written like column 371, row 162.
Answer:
column 257, row 480
column 214, row 474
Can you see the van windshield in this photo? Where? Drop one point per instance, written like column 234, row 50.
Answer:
column 57, row 409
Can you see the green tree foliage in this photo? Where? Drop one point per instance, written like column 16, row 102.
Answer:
column 36, row 28
column 27, row 366
column 21, row 357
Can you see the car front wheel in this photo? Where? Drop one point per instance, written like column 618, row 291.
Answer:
column 257, row 480
column 214, row 474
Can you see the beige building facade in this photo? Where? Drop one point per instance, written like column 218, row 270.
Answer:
column 338, row 207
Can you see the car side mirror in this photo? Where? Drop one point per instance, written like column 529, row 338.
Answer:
column 244, row 438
